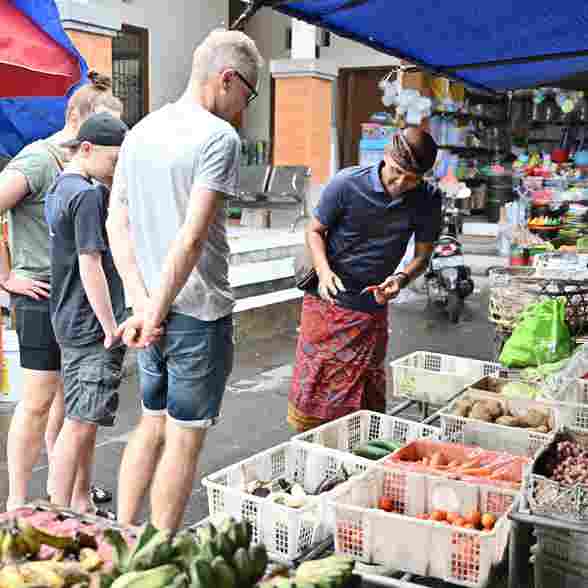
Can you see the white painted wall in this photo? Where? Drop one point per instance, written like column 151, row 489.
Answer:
column 175, row 29
column 268, row 28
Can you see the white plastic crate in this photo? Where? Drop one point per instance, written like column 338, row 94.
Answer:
column 456, row 555
column 552, row 573
column 517, row 441
column 349, row 432
column 435, row 377
column 286, row 532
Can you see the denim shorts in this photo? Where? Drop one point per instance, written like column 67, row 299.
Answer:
column 185, row 373
column 38, row 347
column 91, row 378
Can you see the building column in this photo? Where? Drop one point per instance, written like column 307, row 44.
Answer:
column 304, row 111
column 91, row 25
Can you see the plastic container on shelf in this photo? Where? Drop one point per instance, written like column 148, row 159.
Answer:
column 515, row 440
column 371, row 151
column 286, row 532
column 349, row 432
column 436, row 377
column 427, row 548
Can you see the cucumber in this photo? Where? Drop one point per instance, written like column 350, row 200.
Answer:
column 371, row 452
column 391, row 446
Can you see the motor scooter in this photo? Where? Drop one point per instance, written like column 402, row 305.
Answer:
column 448, row 280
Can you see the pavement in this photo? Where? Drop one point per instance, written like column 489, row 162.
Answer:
column 254, row 410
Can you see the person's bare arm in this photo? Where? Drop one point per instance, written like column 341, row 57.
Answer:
column 185, row 251
column 329, row 282
column 13, row 189
column 123, row 251
column 96, row 288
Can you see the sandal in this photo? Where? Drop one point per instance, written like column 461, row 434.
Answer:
column 100, row 495
column 106, row 514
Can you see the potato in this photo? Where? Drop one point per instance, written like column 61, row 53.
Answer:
column 541, row 429
column 535, row 418
column 481, row 412
column 463, row 407
column 495, row 408
column 508, row 421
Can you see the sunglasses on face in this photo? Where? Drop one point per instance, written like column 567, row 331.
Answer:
column 252, row 90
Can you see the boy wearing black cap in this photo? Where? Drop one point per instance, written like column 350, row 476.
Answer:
column 87, row 302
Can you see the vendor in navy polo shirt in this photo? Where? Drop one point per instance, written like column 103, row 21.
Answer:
column 358, row 236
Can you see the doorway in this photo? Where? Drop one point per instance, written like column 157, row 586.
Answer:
column 358, row 98
column 130, row 72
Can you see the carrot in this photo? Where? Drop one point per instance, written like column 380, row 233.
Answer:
column 454, row 463
column 472, row 463
column 479, row 472
column 437, row 459
column 425, row 461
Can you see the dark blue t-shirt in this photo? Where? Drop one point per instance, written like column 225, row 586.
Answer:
column 368, row 231
column 76, row 212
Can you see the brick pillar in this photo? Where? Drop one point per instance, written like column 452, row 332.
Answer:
column 304, row 116
column 96, row 49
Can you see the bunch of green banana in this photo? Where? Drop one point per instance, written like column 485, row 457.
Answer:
column 226, row 558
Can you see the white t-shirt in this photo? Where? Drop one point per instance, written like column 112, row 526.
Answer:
column 166, row 155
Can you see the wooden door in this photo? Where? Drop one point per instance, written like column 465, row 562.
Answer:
column 358, row 98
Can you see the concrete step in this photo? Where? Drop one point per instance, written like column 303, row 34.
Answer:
column 262, row 277
column 258, row 245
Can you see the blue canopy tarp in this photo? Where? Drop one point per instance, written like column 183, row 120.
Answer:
column 494, row 45
column 39, row 111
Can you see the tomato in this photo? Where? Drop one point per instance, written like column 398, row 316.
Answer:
column 386, row 504
column 438, row 515
column 488, row 521
column 423, row 516
column 452, row 516
column 459, row 522
column 474, row 517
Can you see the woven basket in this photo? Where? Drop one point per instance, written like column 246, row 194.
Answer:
column 513, row 289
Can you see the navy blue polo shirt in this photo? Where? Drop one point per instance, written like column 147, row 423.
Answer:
column 368, row 231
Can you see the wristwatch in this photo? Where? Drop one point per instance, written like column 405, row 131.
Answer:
column 403, row 279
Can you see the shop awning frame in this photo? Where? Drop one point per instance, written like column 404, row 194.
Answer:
column 455, row 71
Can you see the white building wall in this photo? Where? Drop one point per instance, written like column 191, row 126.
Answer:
column 175, row 29
column 268, row 28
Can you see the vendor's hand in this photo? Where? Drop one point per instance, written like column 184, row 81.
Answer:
column 26, row 287
column 387, row 290
column 329, row 285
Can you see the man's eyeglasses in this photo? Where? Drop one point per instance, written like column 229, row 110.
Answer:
column 253, row 94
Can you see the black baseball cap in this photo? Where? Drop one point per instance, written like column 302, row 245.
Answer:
column 101, row 129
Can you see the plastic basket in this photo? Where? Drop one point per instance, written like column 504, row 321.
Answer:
column 513, row 440
column 286, row 532
column 435, row 377
column 349, row 432
column 553, row 573
column 552, row 499
column 459, row 556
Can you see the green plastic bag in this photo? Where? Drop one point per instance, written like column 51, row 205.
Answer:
column 541, row 337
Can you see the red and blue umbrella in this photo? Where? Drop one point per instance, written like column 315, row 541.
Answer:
column 39, row 69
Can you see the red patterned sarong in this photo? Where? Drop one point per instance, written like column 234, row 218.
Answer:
column 339, row 364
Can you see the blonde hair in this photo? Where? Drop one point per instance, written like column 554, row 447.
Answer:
column 97, row 92
column 223, row 50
